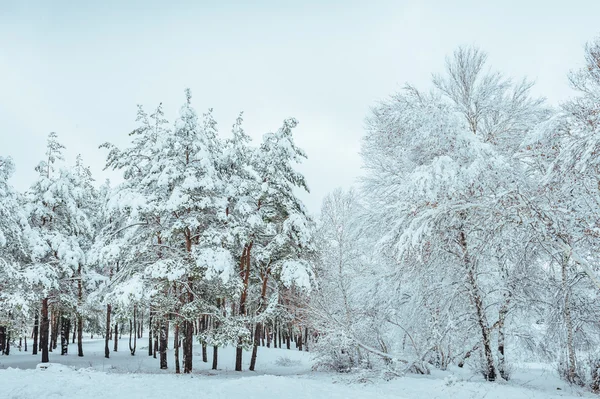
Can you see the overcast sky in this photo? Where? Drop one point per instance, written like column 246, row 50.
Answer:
column 80, row 67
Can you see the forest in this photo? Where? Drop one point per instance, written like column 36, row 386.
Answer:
column 470, row 242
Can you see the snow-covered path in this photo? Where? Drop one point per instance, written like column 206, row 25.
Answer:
column 281, row 374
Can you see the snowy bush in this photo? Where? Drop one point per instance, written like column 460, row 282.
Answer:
column 285, row 361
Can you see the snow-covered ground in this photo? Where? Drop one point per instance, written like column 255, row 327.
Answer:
column 281, row 373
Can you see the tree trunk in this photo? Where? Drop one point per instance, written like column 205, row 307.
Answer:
column 490, row 370
column 257, row 332
column 501, row 339
column 155, row 344
column 572, row 360
column 176, row 348
column 107, row 335
column 44, row 331
column 55, row 321
column 133, row 331
column 79, row 335
column 245, row 274
column 188, row 331
column 64, row 335
column 116, row 343
column 150, row 334
column 238, row 357
column 36, row 326
column 215, row 357
column 163, row 344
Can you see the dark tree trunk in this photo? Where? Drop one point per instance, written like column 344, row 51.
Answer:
column 2, row 339
column 245, row 274
column 74, row 330
column 287, row 340
column 107, row 336
column 299, row 341
column 155, row 349
column 54, row 336
column 133, row 331
column 36, row 327
column 7, row 347
column 150, row 334
column 79, row 335
column 44, row 331
column 215, row 357
column 176, row 348
column 116, row 343
column 163, row 344
column 238, row 358
column 306, row 339
column 188, row 338
column 25, row 339
column 257, row 332
column 64, row 335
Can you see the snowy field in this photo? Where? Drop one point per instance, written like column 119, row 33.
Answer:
column 281, row 373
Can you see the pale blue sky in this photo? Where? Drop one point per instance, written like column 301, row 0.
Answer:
column 80, row 67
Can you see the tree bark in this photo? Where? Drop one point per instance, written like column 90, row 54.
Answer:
column 490, row 371
column 44, row 331
column 80, row 335
column 163, row 344
column 215, row 357
column 36, row 326
column 257, row 332
column 116, row 343
column 150, row 334
column 245, row 274
column 501, row 340
column 188, row 330
column 133, row 331
column 572, row 359
column 64, row 335
column 107, row 335
column 176, row 348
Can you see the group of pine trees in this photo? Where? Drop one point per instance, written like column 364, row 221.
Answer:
column 205, row 239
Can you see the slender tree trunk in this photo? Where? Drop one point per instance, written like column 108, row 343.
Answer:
column 79, row 315
column 64, row 335
column 245, row 274
column 163, row 344
column 45, row 326
column 215, row 357
column 572, row 360
column 257, row 332
column 176, row 348
column 155, row 344
column 150, row 334
column 55, row 323
column 7, row 347
column 79, row 335
column 107, row 336
column 501, row 339
column 188, row 331
column 475, row 294
column 133, row 331
column 36, row 326
column 116, row 343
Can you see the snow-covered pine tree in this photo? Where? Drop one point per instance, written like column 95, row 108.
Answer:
column 58, row 209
